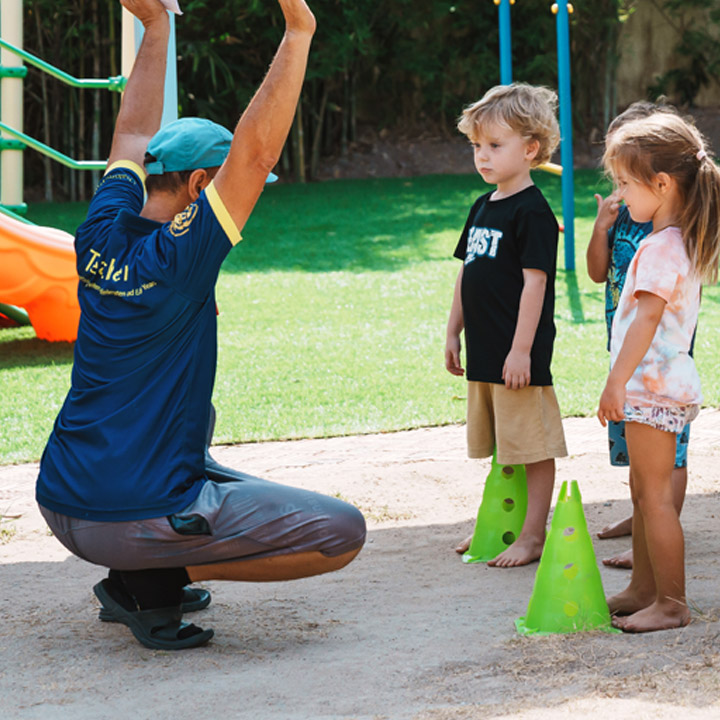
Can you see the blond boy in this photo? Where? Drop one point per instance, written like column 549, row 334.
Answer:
column 504, row 301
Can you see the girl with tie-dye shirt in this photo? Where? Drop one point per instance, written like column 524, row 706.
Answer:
column 665, row 176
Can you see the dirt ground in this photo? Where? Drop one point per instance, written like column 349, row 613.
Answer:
column 405, row 632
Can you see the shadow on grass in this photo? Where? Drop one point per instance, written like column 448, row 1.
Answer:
column 356, row 225
column 382, row 224
column 32, row 352
column 574, row 296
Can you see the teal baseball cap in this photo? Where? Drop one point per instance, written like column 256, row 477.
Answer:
column 188, row 144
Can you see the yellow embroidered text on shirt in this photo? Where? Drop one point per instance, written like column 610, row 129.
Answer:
column 106, row 270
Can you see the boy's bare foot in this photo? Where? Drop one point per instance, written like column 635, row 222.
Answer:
column 628, row 603
column 654, row 617
column 464, row 546
column 623, row 560
column 521, row 552
column 616, row 529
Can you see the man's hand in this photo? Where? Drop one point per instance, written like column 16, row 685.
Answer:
column 516, row 370
column 146, row 11
column 452, row 356
column 612, row 402
column 298, row 16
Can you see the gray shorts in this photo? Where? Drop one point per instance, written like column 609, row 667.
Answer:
column 242, row 518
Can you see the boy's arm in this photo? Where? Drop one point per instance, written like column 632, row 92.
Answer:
column 454, row 328
column 516, row 370
column 637, row 341
column 263, row 128
column 598, row 252
column 142, row 103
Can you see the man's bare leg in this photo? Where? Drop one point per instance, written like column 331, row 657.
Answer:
column 529, row 545
column 270, row 569
column 624, row 560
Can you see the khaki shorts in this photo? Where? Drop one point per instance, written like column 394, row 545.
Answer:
column 524, row 424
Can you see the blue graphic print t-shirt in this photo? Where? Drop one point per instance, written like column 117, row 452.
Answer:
column 624, row 238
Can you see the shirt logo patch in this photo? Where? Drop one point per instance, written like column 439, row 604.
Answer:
column 482, row 241
column 182, row 221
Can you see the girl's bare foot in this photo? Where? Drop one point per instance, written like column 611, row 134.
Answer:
column 658, row 616
column 617, row 529
column 522, row 552
column 623, row 560
column 464, row 546
column 628, row 602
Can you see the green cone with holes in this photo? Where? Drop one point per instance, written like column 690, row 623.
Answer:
column 568, row 595
column 501, row 514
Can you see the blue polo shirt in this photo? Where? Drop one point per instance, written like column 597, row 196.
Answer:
column 129, row 441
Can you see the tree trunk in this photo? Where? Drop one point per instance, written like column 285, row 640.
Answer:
column 345, row 115
column 47, row 164
column 353, row 106
column 82, row 120
column 317, row 135
column 97, row 109
column 299, row 142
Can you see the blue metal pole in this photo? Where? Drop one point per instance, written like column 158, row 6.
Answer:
column 562, row 10
column 505, row 41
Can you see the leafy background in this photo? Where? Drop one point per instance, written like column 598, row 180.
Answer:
column 405, row 64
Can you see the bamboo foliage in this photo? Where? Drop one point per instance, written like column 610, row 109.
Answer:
column 405, row 64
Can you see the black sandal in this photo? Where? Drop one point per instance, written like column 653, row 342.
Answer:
column 194, row 599
column 159, row 629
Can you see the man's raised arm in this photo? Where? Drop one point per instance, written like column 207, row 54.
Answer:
column 264, row 126
column 142, row 103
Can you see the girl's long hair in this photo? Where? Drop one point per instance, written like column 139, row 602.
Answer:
column 666, row 142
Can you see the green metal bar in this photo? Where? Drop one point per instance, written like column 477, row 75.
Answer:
column 116, row 84
column 11, row 144
column 13, row 72
column 54, row 154
column 16, row 314
column 12, row 211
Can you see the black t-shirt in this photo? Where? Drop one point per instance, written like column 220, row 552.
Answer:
column 500, row 239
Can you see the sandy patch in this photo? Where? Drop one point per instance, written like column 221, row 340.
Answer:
column 405, row 632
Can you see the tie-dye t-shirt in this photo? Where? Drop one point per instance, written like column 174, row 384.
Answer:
column 667, row 374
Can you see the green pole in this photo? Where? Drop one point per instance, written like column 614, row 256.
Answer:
column 116, row 83
column 54, row 154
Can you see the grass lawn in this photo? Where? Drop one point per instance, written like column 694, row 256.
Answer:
column 333, row 313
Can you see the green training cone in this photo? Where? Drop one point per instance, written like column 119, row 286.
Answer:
column 501, row 514
column 568, row 595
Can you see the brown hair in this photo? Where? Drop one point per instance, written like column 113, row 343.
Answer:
column 528, row 110
column 665, row 142
column 637, row 110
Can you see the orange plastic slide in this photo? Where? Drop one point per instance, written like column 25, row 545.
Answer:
column 37, row 273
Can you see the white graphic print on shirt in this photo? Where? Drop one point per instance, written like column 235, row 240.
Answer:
column 482, row 241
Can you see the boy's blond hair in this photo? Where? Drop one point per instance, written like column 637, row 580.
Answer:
column 528, row 110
